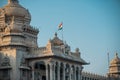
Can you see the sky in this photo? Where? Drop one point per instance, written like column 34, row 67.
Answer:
column 93, row 26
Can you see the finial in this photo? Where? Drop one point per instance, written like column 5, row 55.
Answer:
column 13, row 1
column 77, row 49
column 116, row 55
column 55, row 34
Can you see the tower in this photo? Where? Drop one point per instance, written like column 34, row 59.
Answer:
column 22, row 59
column 114, row 68
column 17, row 36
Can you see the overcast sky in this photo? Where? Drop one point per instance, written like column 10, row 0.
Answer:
column 91, row 25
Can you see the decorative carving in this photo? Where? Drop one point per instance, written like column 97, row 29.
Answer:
column 5, row 61
column 9, row 1
column 48, row 47
column 1, row 11
column 67, row 49
column 56, row 41
column 77, row 50
column 23, row 62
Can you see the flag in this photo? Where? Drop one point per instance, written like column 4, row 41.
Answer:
column 60, row 26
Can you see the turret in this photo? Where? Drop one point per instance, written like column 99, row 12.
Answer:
column 114, row 68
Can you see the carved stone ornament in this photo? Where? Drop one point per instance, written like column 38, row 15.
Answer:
column 5, row 61
column 23, row 63
column 12, row 1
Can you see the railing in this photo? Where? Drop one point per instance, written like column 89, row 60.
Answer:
column 38, row 50
column 15, row 42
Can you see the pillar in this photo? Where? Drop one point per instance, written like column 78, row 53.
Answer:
column 58, row 71
column 33, row 74
column 74, row 73
column 46, row 72
column 70, row 72
column 63, row 71
column 51, row 72
column 79, row 73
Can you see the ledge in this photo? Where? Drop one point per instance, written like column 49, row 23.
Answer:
column 5, row 67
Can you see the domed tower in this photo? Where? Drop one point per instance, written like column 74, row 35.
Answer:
column 114, row 69
column 15, row 28
column 17, row 36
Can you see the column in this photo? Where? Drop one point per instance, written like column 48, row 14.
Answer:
column 78, row 73
column 51, row 72
column 46, row 72
column 70, row 70
column 58, row 71
column 74, row 72
column 33, row 74
column 63, row 71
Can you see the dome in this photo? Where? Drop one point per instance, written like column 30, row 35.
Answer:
column 13, row 8
column 56, row 41
column 116, row 60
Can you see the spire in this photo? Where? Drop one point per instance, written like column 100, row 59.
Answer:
column 13, row 1
column 116, row 55
column 55, row 34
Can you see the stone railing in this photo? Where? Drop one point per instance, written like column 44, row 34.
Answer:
column 92, row 76
column 13, row 42
column 38, row 50
column 57, row 50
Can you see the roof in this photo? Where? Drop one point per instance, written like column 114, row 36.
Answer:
column 56, row 48
column 116, row 60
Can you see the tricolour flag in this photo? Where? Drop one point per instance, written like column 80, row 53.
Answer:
column 60, row 26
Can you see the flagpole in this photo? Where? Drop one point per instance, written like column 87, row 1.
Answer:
column 62, row 33
column 59, row 28
column 63, row 39
column 108, row 59
column 108, row 66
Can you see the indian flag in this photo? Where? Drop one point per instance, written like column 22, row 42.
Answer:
column 60, row 26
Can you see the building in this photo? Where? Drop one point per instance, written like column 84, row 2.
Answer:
column 113, row 73
column 114, row 68
column 22, row 59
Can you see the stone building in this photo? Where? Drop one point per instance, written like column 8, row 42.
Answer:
column 22, row 59
column 113, row 73
column 114, row 68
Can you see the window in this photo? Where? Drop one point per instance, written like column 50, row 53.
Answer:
column 4, row 74
column 23, row 73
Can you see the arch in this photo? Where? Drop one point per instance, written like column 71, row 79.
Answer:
column 67, row 72
column 72, row 72
column 56, row 71
column 5, row 61
column 61, row 70
column 39, row 70
column 77, row 74
column 40, row 65
column 48, row 66
column 5, row 73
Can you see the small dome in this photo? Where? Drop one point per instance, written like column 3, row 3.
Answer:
column 116, row 60
column 56, row 41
